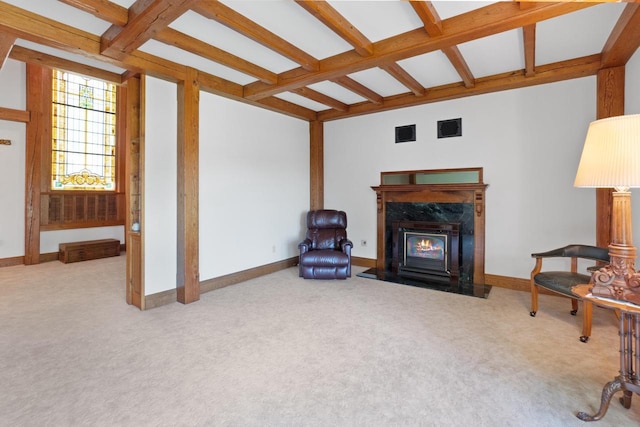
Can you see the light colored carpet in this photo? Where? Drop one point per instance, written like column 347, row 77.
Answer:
column 282, row 351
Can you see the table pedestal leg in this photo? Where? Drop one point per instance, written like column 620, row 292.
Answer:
column 626, row 399
column 608, row 391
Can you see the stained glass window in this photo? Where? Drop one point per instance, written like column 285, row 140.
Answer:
column 84, row 133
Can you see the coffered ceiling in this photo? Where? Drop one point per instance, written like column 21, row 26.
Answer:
column 324, row 60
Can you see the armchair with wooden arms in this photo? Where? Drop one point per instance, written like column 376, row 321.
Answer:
column 561, row 282
column 325, row 253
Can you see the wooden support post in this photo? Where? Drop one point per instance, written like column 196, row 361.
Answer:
column 130, row 114
column 316, row 164
column 188, row 276
column 610, row 103
column 38, row 138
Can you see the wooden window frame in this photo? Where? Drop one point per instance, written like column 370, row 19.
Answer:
column 84, row 132
column 72, row 209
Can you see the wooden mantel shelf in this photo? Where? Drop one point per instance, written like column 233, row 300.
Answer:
column 429, row 187
column 437, row 193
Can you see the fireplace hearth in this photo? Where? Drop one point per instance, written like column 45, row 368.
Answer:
column 431, row 230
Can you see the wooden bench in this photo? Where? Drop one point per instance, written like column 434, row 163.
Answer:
column 90, row 249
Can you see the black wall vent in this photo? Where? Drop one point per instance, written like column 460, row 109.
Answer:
column 449, row 128
column 405, row 133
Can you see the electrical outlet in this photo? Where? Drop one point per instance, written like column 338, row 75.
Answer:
column 363, row 242
column 273, row 249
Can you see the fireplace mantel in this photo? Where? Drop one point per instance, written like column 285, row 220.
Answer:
column 467, row 192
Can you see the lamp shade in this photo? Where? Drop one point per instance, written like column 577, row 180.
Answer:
column 611, row 154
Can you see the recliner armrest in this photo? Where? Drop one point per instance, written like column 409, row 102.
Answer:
column 304, row 246
column 346, row 245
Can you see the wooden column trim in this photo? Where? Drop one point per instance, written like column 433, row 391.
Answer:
column 37, row 139
column 316, row 164
column 610, row 103
column 188, row 276
column 129, row 115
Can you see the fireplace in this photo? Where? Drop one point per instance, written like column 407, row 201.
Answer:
column 431, row 230
column 428, row 251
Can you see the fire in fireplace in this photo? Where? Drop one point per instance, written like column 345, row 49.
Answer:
column 427, row 251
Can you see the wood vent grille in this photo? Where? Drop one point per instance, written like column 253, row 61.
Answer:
column 69, row 210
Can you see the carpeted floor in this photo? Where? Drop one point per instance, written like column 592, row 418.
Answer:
column 282, row 351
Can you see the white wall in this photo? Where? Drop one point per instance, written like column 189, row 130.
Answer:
column 12, row 161
column 632, row 85
column 160, row 186
column 254, row 186
column 49, row 240
column 528, row 141
column 12, row 177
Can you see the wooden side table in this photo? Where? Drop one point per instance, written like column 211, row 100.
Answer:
column 629, row 330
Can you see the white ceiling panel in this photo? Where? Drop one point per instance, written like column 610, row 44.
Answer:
column 60, row 12
column 379, row 20
column 301, row 100
column 495, row 54
column 379, row 81
column 447, row 9
column 431, row 69
column 578, row 34
column 124, row 3
column 220, row 36
column 291, row 22
column 187, row 58
column 337, row 92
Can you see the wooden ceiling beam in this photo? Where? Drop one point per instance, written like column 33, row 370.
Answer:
column 221, row 87
column 146, row 18
column 358, row 88
column 39, row 29
column 191, row 44
column 118, row 15
column 400, row 74
column 492, row 19
column 29, row 56
column 6, row 44
column 217, row 11
column 526, row 4
column 155, row 66
column 433, row 26
column 321, row 98
column 429, row 17
column 457, row 60
column 558, row 71
column 285, row 107
column 624, row 40
column 36, row 28
column 103, row 9
column 330, row 17
column 529, row 37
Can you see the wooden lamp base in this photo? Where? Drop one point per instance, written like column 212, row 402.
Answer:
column 619, row 280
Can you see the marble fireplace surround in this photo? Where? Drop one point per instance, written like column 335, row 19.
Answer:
column 462, row 203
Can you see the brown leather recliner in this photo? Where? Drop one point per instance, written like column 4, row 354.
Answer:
column 325, row 253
